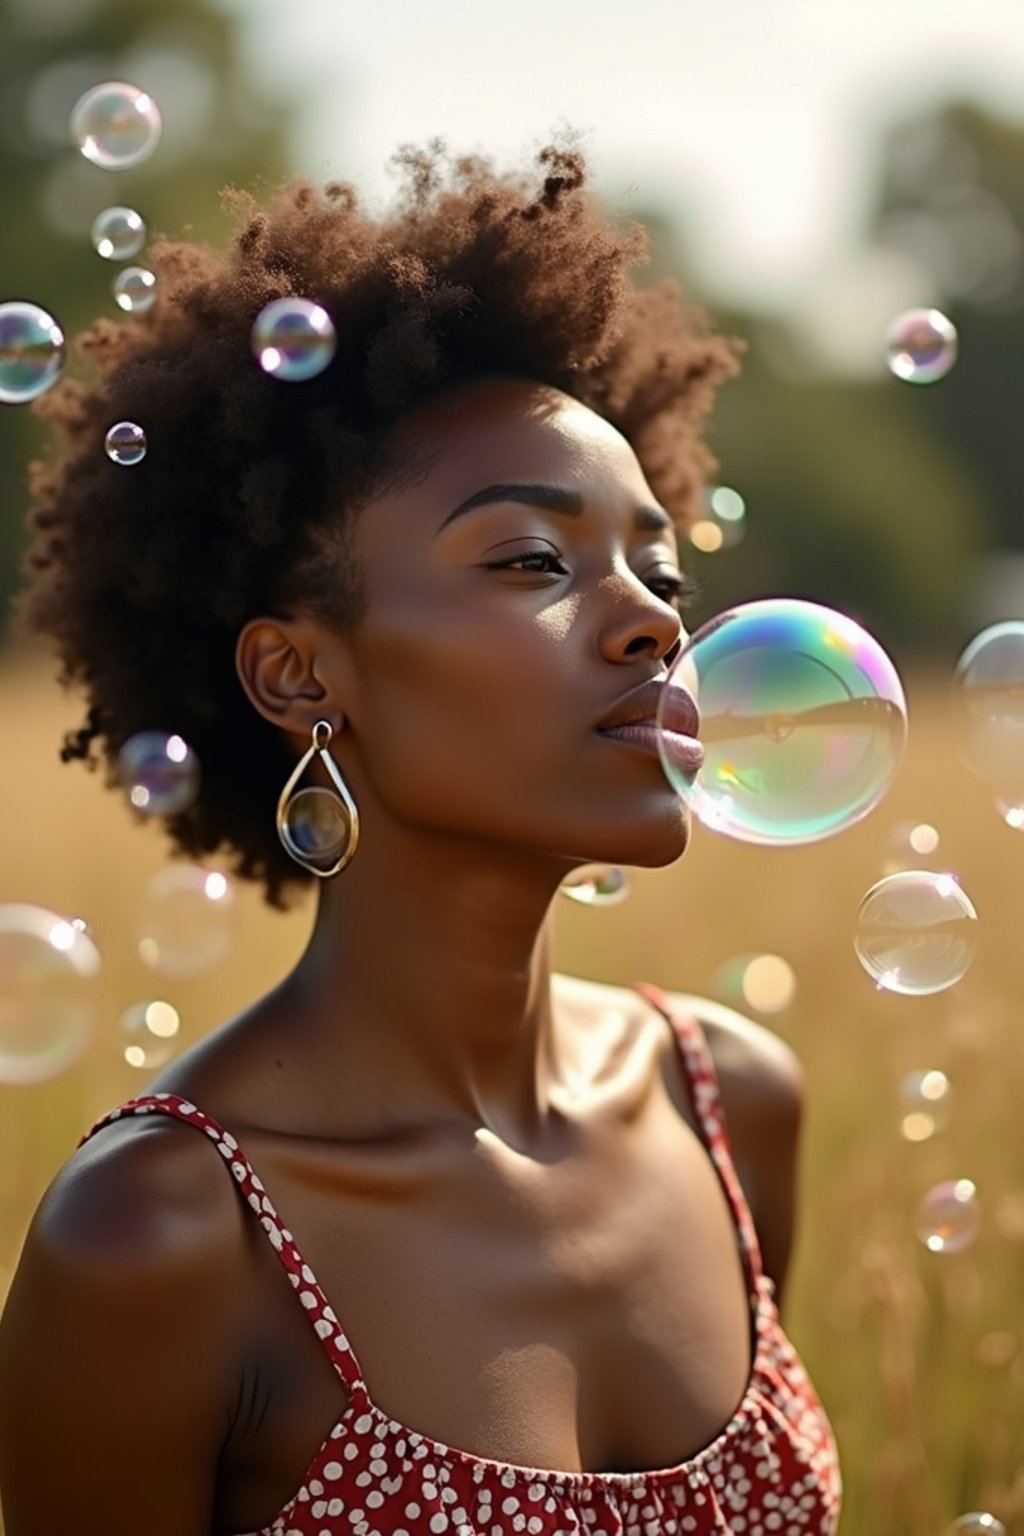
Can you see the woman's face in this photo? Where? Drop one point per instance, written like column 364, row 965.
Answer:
column 472, row 690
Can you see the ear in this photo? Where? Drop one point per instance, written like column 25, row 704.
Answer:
column 283, row 665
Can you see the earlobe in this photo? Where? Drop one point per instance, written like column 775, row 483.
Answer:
column 275, row 664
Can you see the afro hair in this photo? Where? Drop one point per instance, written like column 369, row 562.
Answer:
column 142, row 580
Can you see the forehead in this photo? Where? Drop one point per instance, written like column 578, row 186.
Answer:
column 497, row 428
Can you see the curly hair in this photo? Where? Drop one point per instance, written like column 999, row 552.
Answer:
column 246, row 499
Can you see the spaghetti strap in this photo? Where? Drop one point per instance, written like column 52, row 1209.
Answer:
column 705, row 1091
column 302, row 1278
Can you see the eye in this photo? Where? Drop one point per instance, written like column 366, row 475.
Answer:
column 682, row 591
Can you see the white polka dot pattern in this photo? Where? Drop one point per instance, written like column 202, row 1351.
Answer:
column 773, row 1470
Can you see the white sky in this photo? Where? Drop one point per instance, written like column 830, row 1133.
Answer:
column 749, row 118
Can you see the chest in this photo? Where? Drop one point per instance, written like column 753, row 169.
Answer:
column 586, row 1313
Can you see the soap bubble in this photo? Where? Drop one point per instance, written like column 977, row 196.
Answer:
column 118, row 234
column 922, row 346
column 803, row 721
column 187, row 921
column 116, row 125
column 31, row 351
column 1010, row 805
column 948, row 1218
column 988, row 697
column 317, row 824
column 293, row 339
column 977, row 1523
column 125, row 443
column 597, row 885
column 134, row 288
column 149, row 1034
column 765, row 983
column 925, row 1097
column 917, row 932
column 48, row 1007
column 159, row 772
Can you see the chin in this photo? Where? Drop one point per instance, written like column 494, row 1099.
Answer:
column 653, row 845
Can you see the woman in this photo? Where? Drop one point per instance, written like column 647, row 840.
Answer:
column 534, row 1279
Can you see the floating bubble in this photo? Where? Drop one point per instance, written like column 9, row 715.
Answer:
column 116, row 125
column 118, row 234
column 31, row 351
column 1010, row 805
column 134, row 288
column 187, row 922
column 909, row 842
column 988, row 698
column 597, row 885
column 149, row 1034
column 125, row 443
column 925, row 1097
column 949, row 1218
column 917, row 932
column 159, row 772
column 977, row 1523
column 765, row 983
column 922, row 346
column 48, row 1006
column 803, row 721
column 293, row 339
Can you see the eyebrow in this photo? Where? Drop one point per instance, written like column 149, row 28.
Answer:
column 554, row 498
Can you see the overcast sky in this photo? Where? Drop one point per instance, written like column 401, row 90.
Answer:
column 749, row 118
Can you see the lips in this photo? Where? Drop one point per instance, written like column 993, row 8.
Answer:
column 679, row 711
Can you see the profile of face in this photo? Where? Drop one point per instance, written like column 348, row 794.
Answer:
column 498, row 634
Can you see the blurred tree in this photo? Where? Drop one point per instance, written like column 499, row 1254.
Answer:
column 951, row 196
column 854, row 496
column 219, row 126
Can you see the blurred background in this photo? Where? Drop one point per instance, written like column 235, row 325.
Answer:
column 809, row 170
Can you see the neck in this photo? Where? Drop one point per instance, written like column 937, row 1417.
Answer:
column 425, row 992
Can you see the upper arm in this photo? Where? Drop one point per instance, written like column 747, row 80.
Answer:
column 116, row 1344
column 762, row 1084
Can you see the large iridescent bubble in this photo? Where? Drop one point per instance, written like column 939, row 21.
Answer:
column 803, row 721
column 32, row 351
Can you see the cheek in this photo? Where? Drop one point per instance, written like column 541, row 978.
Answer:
column 455, row 700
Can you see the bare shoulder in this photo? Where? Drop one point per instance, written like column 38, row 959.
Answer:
column 130, row 1274
column 752, row 1062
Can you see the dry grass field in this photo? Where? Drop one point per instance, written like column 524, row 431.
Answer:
column 918, row 1356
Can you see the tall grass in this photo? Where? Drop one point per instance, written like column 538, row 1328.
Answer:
column 919, row 1357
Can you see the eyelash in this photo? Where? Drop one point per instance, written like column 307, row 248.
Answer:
column 684, row 590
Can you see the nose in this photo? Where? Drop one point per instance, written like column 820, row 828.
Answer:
column 642, row 626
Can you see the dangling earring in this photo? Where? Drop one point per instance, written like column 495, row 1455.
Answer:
column 316, row 826
column 597, row 885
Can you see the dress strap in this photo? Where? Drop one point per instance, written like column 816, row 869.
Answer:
column 705, row 1091
column 302, row 1278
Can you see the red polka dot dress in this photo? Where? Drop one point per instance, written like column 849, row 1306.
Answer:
column 771, row 1471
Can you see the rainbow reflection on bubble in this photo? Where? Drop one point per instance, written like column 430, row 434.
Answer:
column 803, row 721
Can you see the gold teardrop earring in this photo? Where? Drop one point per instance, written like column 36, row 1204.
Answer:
column 319, row 829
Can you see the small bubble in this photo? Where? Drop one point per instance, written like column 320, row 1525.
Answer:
column 31, row 351
column 149, row 1031
column 159, row 773
column 116, row 125
column 118, row 234
column 597, row 885
column 922, row 346
column 916, row 933
column 134, row 288
column 125, row 443
column 293, row 339
column 925, row 1097
column 948, row 1217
